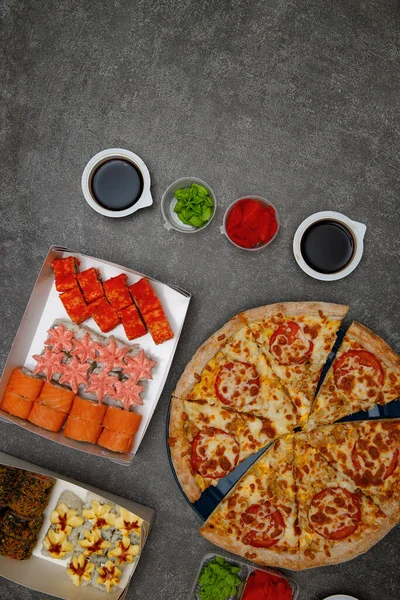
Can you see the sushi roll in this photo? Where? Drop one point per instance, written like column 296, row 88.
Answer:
column 46, row 417
column 9, row 477
column 124, row 551
column 107, row 576
column 117, row 292
column 82, row 431
column 90, row 284
column 16, row 405
column 67, row 283
column 144, row 296
column 24, row 383
column 129, row 525
column 75, row 305
column 87, row 410
column 99, row 515
column 35, row 485
column 93, row 543
column 63, row 267
column 17, row 549
column 104, row 315
column 66, row 517
column 125, row 421
column 57, row 397
column 25, row 505
column 80, row 570
column 132, row 322
column 117, row 441
column 56, row 545
column 20, row 528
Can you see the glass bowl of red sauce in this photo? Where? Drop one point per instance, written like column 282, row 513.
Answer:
column 251, row 223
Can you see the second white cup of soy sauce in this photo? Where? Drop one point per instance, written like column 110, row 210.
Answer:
column 328, row 245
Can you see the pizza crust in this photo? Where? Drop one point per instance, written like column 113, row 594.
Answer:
column 346, row 550
column 261, row 556
column 332, row 311
column 374, row 344
column 204, row 354
column 180, row 450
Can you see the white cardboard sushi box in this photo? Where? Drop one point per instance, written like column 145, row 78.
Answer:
column 48, row 575
column 44, row 307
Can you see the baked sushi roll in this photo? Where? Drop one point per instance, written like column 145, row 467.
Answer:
column 25, row 384
column 124, row 551
column 17, row 549
column 91, row 285
column 99, row 514
column 93, row 543
column 56, row 545
column 104, row 315
column 117, row 292
column 9, row 475
column 20, row 528
column 75, row 305
column 128, row 524
column 35, row 485
column 66, row 516
column 80, row 570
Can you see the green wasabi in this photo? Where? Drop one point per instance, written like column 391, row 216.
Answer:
column 218, row 580
column 194, row 205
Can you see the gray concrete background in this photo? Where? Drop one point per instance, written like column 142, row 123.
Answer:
column 293, row 100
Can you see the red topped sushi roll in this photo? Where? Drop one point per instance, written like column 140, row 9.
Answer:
column 104, row 315
column 69, row 282
column 133, row 324
column 63, row 267
column 91, row 285
column 144, row 296
column 23, row 383
column 117, row 292
column 75, row 305
column 158, row 326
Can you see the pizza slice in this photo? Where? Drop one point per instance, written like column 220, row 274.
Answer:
column 258, row 517
column 297, row 338
column 230, row 371
column 365, row 372
column 208, row 442
column 336, row 520
column 368, row 453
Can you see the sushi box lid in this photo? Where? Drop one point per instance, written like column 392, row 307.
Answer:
column 44, row 307
column 44, row 575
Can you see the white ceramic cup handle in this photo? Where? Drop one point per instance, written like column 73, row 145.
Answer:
column 361, row 228
column 222, row 230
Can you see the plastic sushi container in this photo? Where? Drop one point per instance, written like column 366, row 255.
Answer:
column 244, row 574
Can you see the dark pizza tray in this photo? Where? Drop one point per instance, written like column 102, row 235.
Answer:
column 213, row 495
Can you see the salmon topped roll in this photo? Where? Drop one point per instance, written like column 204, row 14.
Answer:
column 117, row 441
column 82, row 431
column 125, row 421
column 87, row 410
column 57, row 397
column 24, row 383
column 16, row 405
column 46, row 417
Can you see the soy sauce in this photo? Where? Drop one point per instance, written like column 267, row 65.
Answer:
column 117, row 184
column 327, row 246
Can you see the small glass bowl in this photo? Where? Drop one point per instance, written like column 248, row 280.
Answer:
column 228, row 211
column 168, row 202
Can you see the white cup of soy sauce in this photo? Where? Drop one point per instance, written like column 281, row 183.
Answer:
column 116, row 183
column 328, row 245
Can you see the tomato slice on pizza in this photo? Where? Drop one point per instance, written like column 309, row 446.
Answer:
column 208, row 442
column 336, row 520
column 297, row 338
column 365, row 372
column 257, row 519
column 368, row 452
column 229, row 370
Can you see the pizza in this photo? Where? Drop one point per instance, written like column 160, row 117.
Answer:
column 336, row 520
column 365, row 372
column 368, row 452
column 297, row 338
column 208, row 442
column 321, row 492
column 257, row 518
column 230, row 371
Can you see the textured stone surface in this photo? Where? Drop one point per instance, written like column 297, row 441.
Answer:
column 293, row 100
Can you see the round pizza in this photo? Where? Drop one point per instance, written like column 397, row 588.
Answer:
column 321, row 492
